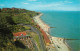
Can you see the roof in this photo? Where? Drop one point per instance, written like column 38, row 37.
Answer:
column 20, row 34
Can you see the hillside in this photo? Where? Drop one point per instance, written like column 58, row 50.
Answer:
column 9, row 20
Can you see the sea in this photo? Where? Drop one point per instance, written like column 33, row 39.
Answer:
column 64, row 24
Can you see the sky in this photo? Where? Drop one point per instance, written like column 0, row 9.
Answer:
column 57, row 5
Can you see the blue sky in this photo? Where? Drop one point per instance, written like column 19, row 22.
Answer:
column 61, row 5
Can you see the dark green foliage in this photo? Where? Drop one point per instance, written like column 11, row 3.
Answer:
column 19, row 44
column 5, row 34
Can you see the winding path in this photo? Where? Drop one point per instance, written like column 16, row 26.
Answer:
column 43, row 48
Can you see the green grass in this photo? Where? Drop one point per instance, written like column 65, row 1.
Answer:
column 27, row 28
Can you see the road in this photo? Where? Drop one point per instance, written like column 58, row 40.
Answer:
column 43, row 48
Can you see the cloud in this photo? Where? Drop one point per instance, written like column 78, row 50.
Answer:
column 50, row 5
column 62, row 5
column 1, row 4
column 25, row 3
column 67, row 2
column 57, row 4
column 32, row 0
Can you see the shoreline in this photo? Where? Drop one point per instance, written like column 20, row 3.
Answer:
column 58, row 43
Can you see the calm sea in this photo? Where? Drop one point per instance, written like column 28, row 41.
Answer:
column 65, row 24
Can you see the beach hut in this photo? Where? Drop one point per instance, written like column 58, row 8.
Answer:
column 20, row 36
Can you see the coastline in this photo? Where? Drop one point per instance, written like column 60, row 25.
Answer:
column 56, row 42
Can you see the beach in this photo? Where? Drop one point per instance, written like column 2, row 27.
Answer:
column 60, row 44
column 57, row 43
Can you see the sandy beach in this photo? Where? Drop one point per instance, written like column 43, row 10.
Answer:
column 57, row 43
